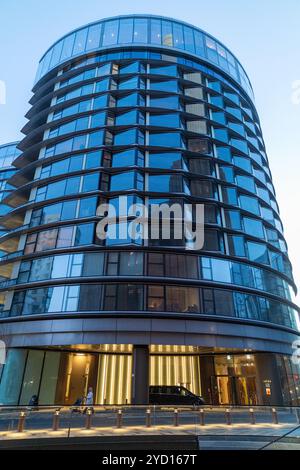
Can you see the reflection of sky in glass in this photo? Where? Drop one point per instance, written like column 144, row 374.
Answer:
column 143, row 30
column 7, row 154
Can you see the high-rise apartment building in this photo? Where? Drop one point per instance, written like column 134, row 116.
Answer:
column 162, row 112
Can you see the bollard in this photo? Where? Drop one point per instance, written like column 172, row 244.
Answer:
column 202, row 421
column 88, row 419
column 119, row 419
column 21, row 422
column 275, row 416
column 176, row 417
column 228, row 416
column 252, row 416
column 148, row 418
column 55, row 424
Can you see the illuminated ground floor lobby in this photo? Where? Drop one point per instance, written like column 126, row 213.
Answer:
column 122, row 374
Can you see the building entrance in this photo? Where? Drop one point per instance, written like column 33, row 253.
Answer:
column 234, row 390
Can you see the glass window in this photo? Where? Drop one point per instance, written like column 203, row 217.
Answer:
column 168, row 102
column 229, row 195
column 243, row 162
column 134, row 67
column 123, row 181
column 218, row 116
column 167, row 139
column 93, row 37
column 84, row 234
column 224, row 153
column 93, row 159
column 90, row 182
column 12, row 376
column 129, row 100
column 165, row 183
column 131, row 264
column 110, row 33
column 246, row 182
column 41, row 269
column 178, row 36
column 233, row 219
column 165, row 120
column 258, row 252
column 46, row 240
column 155, row 31
column 129, row 84
column 67, row 47
column 87, row 207
column 167, row 35
column 170, row 85
column 253, row 227
column 189, row 39
column 96, row 139
column 239, row 128
column 32, row 375
column 202, row 188
column 201, row 146
column 226, row 173
column 65, row 237
column 211, row 49
column 140, row 30
column 126, row 158
column 123, row 297
column 182, row 299
column 100, row 102
column 165, row 160
column 220, row 134
column 93, row 264
column 220, row 270
column 125, row 31
column 224, row 303
column 126, row 137
column 236, row 245
column 60, row 266
column 132, row 117
column 90, row 297
column 183, row 266
column 98, row 120
column 240, row 145
column 201, row 166
column 249, row 203
column 72, row 186
column 102, row 85
column 68, row 210
column 199, row 43
column 212, row 241
column 169, row 70
column 80, row 40
column 51, row 213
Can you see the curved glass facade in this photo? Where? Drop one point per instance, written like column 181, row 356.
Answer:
column 148, row 31
column 170, row 122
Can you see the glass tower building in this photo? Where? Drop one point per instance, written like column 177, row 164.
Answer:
column 162, row 112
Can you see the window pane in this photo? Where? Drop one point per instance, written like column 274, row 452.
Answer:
column 140, row 32
column 110, row 35
column 182, row 299
column 125, row 31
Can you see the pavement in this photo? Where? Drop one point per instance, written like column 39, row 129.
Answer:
column 215, row 434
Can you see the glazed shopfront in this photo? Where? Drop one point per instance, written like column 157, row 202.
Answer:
column 62, row 376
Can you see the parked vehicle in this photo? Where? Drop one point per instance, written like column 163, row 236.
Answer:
column 173, row 395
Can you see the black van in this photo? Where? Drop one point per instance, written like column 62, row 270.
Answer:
column 173, row 395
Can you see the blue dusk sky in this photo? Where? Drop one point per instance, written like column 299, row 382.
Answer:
column 263, row 34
